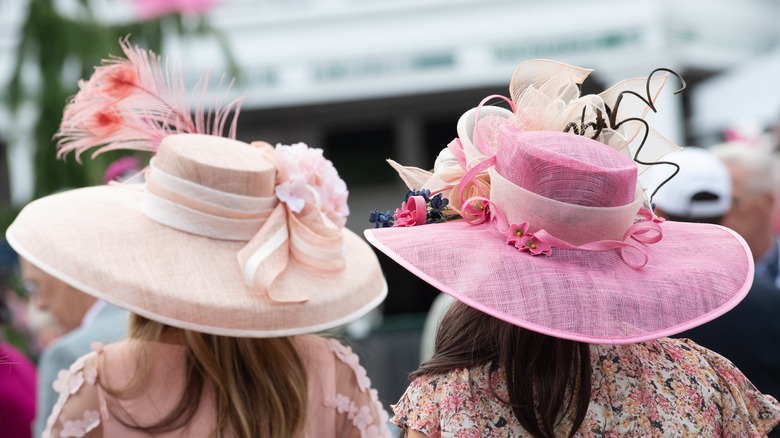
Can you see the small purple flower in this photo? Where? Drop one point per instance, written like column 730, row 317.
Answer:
column 439, row 202
column 425, row 193
column 434, row 216
column 381, row 219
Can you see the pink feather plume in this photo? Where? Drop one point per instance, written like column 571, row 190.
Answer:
column 134, row 102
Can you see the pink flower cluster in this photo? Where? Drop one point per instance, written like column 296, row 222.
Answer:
column 306, row 176
column 476, row 210
column 519, row 236
column 412, row 212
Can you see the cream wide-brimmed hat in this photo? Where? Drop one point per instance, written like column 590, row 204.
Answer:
column 222, row 238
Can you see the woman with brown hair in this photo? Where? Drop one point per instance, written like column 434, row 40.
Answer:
column 229, row 257
column 566, row 284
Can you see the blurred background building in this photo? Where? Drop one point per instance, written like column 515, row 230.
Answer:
column 372, row 79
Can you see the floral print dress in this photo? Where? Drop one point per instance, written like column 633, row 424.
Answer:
column 661, row 388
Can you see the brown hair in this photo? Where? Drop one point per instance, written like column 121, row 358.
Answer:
column 259, row 384
column 546, row 378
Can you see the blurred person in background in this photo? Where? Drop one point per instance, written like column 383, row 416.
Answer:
column 754, row 178
column 125, row 169
column 699, row 192
column 750, row 333
column 17, row 372
column 83, row 319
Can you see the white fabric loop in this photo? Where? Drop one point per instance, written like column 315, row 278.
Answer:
column 262, row 253
column 243, row 203
column 576, row 224
column 196, row 222
column 336, row 257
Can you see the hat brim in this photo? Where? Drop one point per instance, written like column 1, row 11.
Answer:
column 694, row 274
column 97, row 240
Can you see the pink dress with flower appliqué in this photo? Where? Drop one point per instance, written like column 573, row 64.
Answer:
column 341, row 400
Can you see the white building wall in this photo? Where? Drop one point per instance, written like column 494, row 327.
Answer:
column 307, row 52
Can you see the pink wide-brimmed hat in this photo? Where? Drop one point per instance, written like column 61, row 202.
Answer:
column 223, row 237
column 554, row 231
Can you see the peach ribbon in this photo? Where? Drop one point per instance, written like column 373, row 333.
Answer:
column 275, row 235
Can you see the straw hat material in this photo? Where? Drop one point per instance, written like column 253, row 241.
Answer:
column 189, row 248
column 563, row 243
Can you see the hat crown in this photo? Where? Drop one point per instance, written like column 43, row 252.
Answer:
column 566, row 167
column 238, row 168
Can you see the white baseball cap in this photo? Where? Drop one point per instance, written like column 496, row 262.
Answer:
column 700, row 172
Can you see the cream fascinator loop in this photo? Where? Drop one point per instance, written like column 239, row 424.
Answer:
column 460, row 156
column 545, row 96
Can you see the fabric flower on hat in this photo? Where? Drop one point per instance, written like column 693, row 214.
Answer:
column 412, row 212
column 516, row 233
column 534, row 245
column 306, row 176
column 381, row 219
column 476, row 142
column 479, row 186
column 419, row 208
